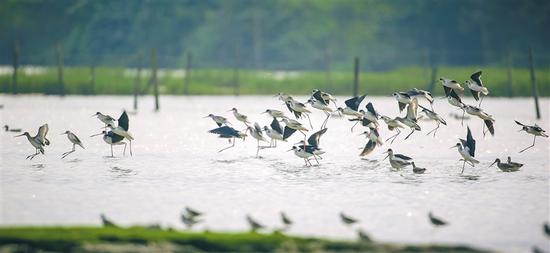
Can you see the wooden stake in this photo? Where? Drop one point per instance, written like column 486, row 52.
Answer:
column 16, row 51
column 356, row 76
column 534, row 87
column 187, row 77
column 154, row 67
column 59, row 60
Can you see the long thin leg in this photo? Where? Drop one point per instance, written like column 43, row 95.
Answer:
column 67, row 153
column 532, row 145
column 131, row 149
column 354, row 125
column 315, row 157
column 309, row 119
column 124, row 152
column 229, row 146
column 395, row 136
column 463, row 164
column 434, row 130
column 326, row 120
column 112, row 155
column 480, row 100
column 257, row 148
column 462, row 122
column 409, row 134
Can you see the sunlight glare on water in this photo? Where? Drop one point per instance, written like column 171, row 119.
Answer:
column 176, row 163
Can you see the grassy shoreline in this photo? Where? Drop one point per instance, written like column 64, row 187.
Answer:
column 119, row 81
column 135, row 239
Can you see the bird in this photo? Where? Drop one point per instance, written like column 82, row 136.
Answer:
column 122, row 128
column 450, row 84
column 313, row 144
column 294, row 124
column 410, row 119
column 393, row 124
column 189, row 220
column 421, row 93
column 228, row 133
column 106, row 119
column 254, row 225
column 275, row 133
column 418, row 170
column 368, row 117
column 218, row 119
column 304, row 153
column 39, row 141
column 240, row 117
column 514, row 163
column 112, row 139
column 193, row 212
column 374, row 140
column 398, row 161
column 467, row 149
column 352, row 106
column 13, row 130
column 403, row 99
column 476, row 86
column 535, row 130
column 286, row 220
column 546, row 229
column 488, row 120
column 506, row 167
column 347, row 220
column 436, row 221
column 106, row 222
column 324, row 97
column 317, row 104
column 435, row 117
column 74, row 140
column 363, row 236
column 300, row 108
column 256, row 133
column 275, row 113
column 454, row 100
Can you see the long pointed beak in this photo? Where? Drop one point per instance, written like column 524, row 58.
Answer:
column 19, row 135
column 493, row 163
column 205, row 117
column 289, row 150
column 386, row 157
column 93, row 115
column 363, row 134
column 96, row 134
column 63, row 133
column 452, row 147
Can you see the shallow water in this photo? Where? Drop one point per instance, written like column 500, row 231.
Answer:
column 176, row 163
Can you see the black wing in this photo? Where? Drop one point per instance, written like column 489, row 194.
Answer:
column 476, row 77
column 365, row 122
column 287, row 103
column 401, row 106
column 370, row 108
column 225, row 130
column 358, row 102
column 369, row 147
column 454, row 95
column 475, row 94
column 447, row 90
column 288, row 132
column 490, row 126
column 471, row 143
column 114, row 137
column 123, row 121
column 318, row 95
column 351, row 102
column 404, row 157
column 276, row 126
column 519, row 123
column 314, row 139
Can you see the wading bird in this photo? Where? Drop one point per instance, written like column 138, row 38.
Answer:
column 435, row 117
column 534, row 130
column 300, row 108
column 112, row 139
column 313, row 144
column 240, row 117
column 514, row 163
column 476, row 87
column 421, row 93
column 363, row 236
column 13, row 130
column 229, row 133
column 347, row 220
column 218, row 119
column 189, row 220
column 39, row 141
column 374, row 140
column 74, row 140
column 488, row 120
column 454, row 100
column 418, row 170
column 122, row 128
column 411, row 119
column 467, row 149
column 193, row 212
column 451, row 84
column 403, row 99
column 393, row 124
column 275, row 133
column 436, row 221
column 256, row 133
column 106, row 119
column 275, row 113
column 290, row 123
column 324, row 97
column 506, row 167
column 304, row 153
column 398, row 161
column 317, row 104
column 106, row 222
column 254, row 225
column 352, row 106
column 287, row 222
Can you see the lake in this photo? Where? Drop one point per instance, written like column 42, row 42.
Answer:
column 175, row 163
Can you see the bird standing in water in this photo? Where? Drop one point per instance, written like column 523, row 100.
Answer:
column 39, row 141
column 74, row 140
column 534, row 130
column 467, row 149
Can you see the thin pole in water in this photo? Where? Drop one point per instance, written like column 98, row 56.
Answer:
column 92, row 78
column 236, row 85
column 154, row 66
column 137, row 83
column 16, row 51
column 534, row 82
column 509, row 75
column 355, row 76
column 59, row 60
column 187, row 77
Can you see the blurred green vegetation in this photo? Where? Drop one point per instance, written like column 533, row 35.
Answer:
column 96, row 239
column 119, row 81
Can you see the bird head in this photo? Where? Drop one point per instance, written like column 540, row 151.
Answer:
column 233, row 110
column 209, row 116
column 395, row 94
column 496, row 161
column 6, row 127
column 96, row 114
column 66, row 132
column 389, row 152
column 457, row 145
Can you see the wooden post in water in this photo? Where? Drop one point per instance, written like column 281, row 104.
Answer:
column 534, row 87
column 327, row 69
column 187, row 77
column 355, row 76
column 236, row 85
column 59, row 60
column 433, row 77
column 16, row 51
column 137, row 83
column 92, row 78
column 154, row 67
column 509, row 74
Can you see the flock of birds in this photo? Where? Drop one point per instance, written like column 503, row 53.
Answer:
column 309, row 148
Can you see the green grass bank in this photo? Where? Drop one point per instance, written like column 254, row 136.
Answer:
column 119, row 81
column 140, row 239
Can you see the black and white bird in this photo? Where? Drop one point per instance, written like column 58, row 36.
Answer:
column 304, row 153
column 467, row 149
column 347, row 220
column 374, row 140
column 418, row 170
column 113, row 140
column 219, row 120
column 257, row 133
column 403, row 99
column 312, row 149
column 438, row 222
column 229, row 133
column 287, row 222
column 488, row 120
column 514, row 163
column 535, row 130
column 189, row 220
column 275, row 133
column 254, row 225
column 506, row 167
column 352, row 106
column 74, row 140
column 317, row 104
column 106, row 119
column 435, row 117
column 398, row 161
column 13, row 130
column 454, row 99
column 275, row 113
column 122, row 128
column 193, row 212
column 451, row 84
column 239, row 116
column 363, row 236
column 476, row 87
column 324, row 97
column 393, row 124
column 418, row 93
column 39, row 141
column 411, row 119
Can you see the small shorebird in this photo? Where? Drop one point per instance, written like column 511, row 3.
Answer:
column 189, row 220
column 393, row 124
column 352, row 106
column 193, row 212
column 363, row 236
column 39, row 141
column 435, row 117
column 488, row 120
column 312, row 148
column 240, row 117
column 403, row 99
column 106, row 222
column 275, row 133
column 398, row 161
column 476, row 87
column 347, row 220
column 301, row 109
column 254, row 225
column 106, row 119
column 122, row 128
column 411, row 119
column 418, row 170
column 218, row 119
column 74, row 140
column 317, row 104
column 467, row 149
column 256, row 133
column 374, row 140
column 514, row 163
column 421, row 93
column 303, row 153
column 290, row 123
column 229, row 133
column 287, row 222
column 13, row 130
column 275, row 113
column 454, row 100
column 436, row 221
column 506, row 167
column 534, row 130
column 112, row 139
column 323, row 97
column 451, row 84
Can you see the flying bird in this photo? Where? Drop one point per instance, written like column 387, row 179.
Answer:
column 476, row 87
column 467, row 149
column 534, row 130
column 229, row 133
